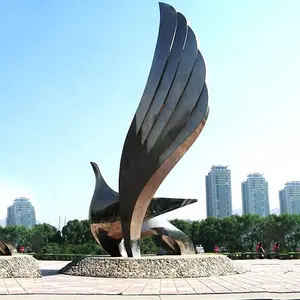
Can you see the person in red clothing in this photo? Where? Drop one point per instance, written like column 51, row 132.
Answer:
column 260, row 250
column 216, row 249
column 276, row 247
column 275, row 250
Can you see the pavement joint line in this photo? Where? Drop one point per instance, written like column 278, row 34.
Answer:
column 6, row 286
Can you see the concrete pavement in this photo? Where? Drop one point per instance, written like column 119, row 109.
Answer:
column 254, row 296
column 264, row 279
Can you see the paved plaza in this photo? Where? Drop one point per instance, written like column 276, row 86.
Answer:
column 263, row 278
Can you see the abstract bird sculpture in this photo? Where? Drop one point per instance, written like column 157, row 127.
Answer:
column 106, row 224
column 171, row 115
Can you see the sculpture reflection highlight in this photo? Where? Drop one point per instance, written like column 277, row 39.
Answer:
column 106, row 224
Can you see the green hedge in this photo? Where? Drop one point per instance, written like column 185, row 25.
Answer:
column 233, row 256
column 255, row 255
column 66, row 257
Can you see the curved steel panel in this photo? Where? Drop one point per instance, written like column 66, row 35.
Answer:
column 183, row 109
column 171, row 240
column 199, row 113
column 182, row 76
column 142, row 169
column 170, row 116
column 174, row 240
column 168, row 22
column 105, row 217
column 168, row 76
column 142, row 202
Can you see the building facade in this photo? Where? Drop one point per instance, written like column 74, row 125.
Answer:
column 289, row 198
column 218, row 192
column 21, row 213
column 255, row 195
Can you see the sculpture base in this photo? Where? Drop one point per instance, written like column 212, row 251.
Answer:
column 19, row 266
column 201, row 265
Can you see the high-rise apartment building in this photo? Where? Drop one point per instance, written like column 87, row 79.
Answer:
column 255, row 195
column 218, row 192
column 289, row 198
column 21, row 213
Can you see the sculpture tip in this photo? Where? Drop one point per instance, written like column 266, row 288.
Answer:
column 164, row 5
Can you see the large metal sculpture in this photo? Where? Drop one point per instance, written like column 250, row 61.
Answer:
column 106, row 224
column 171, row 115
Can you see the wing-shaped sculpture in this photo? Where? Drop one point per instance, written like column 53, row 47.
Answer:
column 106, row 224
column 171, row 115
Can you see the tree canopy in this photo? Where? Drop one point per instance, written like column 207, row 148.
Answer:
column 235, row 233
column 242, row 233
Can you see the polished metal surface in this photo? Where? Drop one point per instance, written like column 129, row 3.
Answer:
column 5, row 248
column 171, row 114
column 161, row 131
column 106, row 224
column 173, row 241
column 167, row 27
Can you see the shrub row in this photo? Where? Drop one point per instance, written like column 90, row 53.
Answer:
column 64, row 257
column 233, row 256
column 255, row 255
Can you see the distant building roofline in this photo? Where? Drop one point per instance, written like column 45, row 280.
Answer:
column 22, row 198
column 220, row 166
column 255, row 174
column 292, row 183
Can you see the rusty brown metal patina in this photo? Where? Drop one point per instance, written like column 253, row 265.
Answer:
column 6, row 248
column 106, row 223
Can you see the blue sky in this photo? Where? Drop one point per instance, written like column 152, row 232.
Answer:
column 72, row 74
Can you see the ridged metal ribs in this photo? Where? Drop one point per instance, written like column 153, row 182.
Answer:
column 171, row 115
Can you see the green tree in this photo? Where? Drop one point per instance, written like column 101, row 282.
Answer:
column 148, row 245
column 77, row 232
column 16, row 235
column 184, row 226
column 231, row 233
column 210, row 233
column 52, row 248
column 252, row 231
column 284, row 229
column 43, row 234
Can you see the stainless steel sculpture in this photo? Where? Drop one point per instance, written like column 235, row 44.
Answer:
column 106, row 224
column 171, row 115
